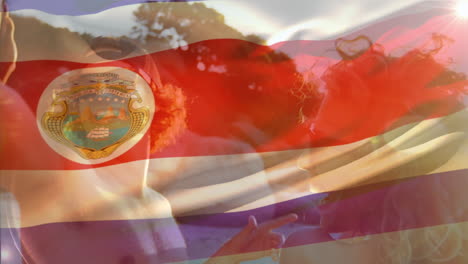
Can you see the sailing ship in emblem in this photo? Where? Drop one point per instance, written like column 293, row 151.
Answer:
column 96, row 114
column 99, row 133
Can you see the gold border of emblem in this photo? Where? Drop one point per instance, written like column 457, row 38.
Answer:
column 52, row 123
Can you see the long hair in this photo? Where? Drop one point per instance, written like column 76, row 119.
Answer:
column 421, row 220
column 169, row 119
column 444, row 243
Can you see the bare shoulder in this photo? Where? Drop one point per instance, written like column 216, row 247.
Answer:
column 294, row 250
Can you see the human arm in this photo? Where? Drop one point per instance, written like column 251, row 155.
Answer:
column 252, row 242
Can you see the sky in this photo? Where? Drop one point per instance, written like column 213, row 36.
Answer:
column 274, row 20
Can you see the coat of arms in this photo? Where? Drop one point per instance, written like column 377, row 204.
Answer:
column 95, row 113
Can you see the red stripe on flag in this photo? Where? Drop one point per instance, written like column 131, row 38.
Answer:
column 243, row 92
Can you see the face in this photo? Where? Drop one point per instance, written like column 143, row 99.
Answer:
column 329, row 209
column 350, row 211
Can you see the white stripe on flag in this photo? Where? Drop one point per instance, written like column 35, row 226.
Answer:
column 192, row 184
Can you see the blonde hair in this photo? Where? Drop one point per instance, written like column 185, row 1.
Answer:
column 445, row 240
column 434, row 244
column 438, row 244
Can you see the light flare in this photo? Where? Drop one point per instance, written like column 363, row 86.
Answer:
column 461, row 9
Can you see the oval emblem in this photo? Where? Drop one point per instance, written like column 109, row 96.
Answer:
column 93, row 115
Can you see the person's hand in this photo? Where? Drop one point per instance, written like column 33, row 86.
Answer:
column 255, row 238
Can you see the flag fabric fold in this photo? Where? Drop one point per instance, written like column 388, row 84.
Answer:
column 160, row 146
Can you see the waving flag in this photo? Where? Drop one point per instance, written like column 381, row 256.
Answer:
column 359, row 129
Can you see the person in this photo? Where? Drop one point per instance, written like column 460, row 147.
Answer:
column 421, row 220
column 98, row 215
column 397, row 197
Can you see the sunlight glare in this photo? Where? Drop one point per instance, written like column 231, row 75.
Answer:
column 462, row 9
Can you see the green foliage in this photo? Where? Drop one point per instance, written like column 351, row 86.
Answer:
column 180, row 23
column 36, row 39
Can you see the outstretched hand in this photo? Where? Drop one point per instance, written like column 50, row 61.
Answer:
column 256, row 237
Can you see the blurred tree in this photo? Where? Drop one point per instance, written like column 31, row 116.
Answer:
column 177, row 24
column 36, row 40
